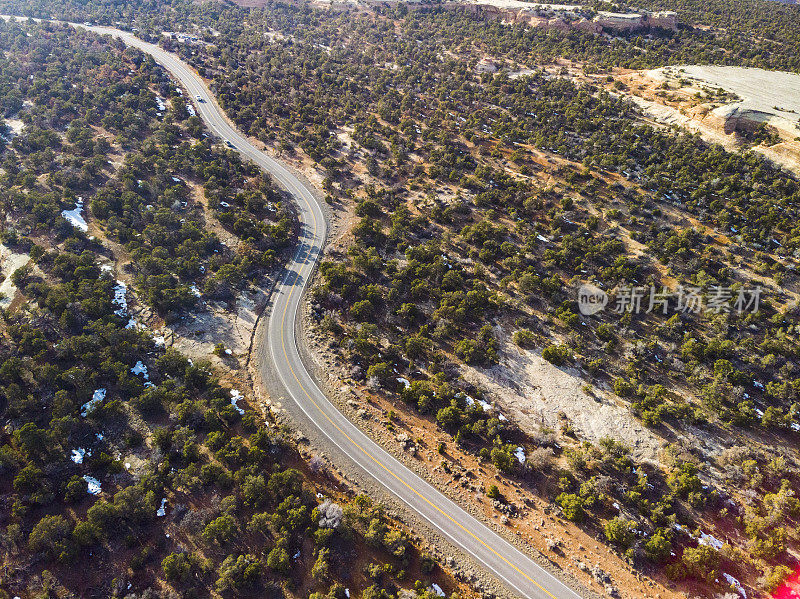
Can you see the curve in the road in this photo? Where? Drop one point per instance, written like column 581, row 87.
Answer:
column 279, row 351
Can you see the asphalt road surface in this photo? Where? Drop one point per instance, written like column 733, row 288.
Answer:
column 518, row 572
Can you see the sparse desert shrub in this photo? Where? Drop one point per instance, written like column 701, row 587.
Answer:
column 572, row 506
column 524, row 338
column 540, row 459
column 619, row 531
column 556, row 354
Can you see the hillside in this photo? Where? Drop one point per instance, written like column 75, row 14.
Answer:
column 127, row 468
column 486, row 182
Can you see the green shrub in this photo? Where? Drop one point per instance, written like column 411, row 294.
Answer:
column 52, row 535
column 221, row 530
column 658, row 547
column 572, row 506
column 278, row 560
column 623, row 388
column 556, row 354
column 619, row 532
column 524, row 338
column 177, row 567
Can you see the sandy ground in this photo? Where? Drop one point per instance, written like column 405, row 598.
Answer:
column 668, row 115
column 535, row 393
column 15, row 125
column 211, row 323
column 771, row 97
column 9, row 262
column 772, row 92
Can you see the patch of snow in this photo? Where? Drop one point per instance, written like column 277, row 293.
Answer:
column 520, row 453
column 190, row 109
column 100, row 436
column 347, row 592
column 296, row 555
column 75, row 216
column 437, row 589
column 735, row 584
column 119, row 299
column 195, row 290
column 758, row 384
column 77, row 455
column 236, row 395
column 487, row 407
column 94, row 485
column 162, row 511
column 140, row 368
column 710, row 540
column 160, row 103
column 177, row 180
column 541, row 237
column 159, row 340
column 97, row 398
column 501, row 417
column 405, row 382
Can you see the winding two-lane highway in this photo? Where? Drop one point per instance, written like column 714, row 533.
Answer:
column 277, row 352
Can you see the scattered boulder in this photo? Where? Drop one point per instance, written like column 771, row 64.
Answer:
column 600, row 575
column 554, row 545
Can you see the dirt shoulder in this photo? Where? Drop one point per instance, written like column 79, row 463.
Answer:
column 525, row 519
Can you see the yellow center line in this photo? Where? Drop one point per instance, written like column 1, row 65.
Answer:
column 367, row 453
